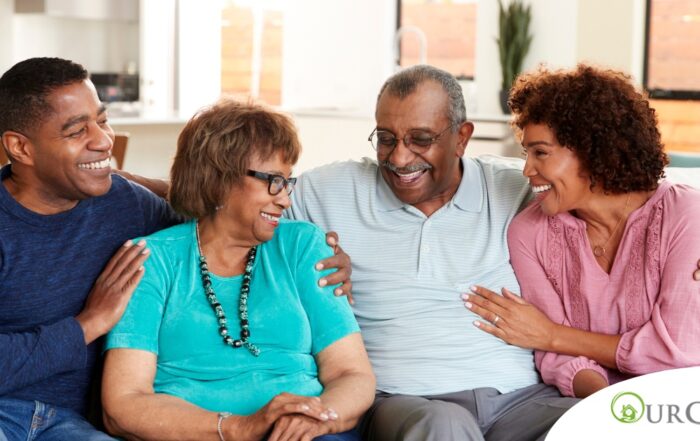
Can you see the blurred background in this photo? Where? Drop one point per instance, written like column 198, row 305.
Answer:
column 155, row 62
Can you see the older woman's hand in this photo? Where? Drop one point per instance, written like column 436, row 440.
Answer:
column 298, row 428
column 511, row 319
column 255, row 426
column 341, row 261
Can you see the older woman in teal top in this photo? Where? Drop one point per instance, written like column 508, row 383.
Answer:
column 228, row 336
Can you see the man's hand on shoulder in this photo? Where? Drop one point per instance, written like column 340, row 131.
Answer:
column 341, row 262
column 112, row 290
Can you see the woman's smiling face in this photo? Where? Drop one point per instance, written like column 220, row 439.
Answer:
column 555, row 173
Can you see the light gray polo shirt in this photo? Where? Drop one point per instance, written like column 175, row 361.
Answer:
column 409, row 271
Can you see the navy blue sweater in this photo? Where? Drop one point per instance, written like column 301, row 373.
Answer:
column 48, row 265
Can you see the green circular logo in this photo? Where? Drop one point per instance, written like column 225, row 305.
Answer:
column 627, row 407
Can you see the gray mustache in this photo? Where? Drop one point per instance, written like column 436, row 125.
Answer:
column 407, row 169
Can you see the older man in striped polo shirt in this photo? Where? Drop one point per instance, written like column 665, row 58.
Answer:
column 423, row 224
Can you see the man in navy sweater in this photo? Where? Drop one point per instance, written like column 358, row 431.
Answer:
column 63, row 215
column 67, row 266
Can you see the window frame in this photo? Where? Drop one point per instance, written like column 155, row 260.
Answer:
column 657, row 93
column 398, row 60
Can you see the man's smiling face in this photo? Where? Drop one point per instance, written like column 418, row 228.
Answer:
column 425, row 178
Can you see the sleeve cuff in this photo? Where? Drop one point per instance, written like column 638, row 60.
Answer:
column 566, row 386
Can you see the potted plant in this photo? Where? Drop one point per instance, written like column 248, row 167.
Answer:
column 513, row 40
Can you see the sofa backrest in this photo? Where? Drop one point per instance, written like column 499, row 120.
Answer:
column 684, row 175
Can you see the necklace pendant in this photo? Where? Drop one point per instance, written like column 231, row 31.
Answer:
column 598, row 251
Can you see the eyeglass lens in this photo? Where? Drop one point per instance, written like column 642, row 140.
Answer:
column 386, row 140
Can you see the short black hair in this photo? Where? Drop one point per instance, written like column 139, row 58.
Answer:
column 25, row 87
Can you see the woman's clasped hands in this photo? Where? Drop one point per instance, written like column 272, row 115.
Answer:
column 286, row 417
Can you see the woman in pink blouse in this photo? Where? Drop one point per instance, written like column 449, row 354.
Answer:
column 605, row 254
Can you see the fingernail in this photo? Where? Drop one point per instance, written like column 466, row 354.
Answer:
column 477, row 324
column 141, row 243
column 473, row 288
column 332, row 415
column 304, row 407
column 338, row 291
column 465, row 296
column 145, row 251
column 323, row 416
column 141, row 268
column 319, row 266
column 322, row 282
column 128, row 243
column 468, row 305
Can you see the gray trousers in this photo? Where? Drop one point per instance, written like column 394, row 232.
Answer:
column 474, row 415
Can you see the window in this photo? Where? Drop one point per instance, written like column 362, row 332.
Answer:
column 671, row 66
column 251, row 49
column 672, row 58
column 444, row 30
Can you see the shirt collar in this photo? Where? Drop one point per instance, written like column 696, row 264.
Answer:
column 469, row 195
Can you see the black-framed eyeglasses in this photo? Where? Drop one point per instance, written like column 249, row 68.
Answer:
column 416, row 140
column 275, row 183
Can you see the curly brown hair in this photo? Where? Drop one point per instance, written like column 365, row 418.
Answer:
column 601, row 117
column 216, row 146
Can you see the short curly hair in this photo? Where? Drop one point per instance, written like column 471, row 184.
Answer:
column 601, row 117
column 215, row 148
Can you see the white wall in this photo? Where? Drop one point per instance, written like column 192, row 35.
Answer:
column 157, row 57
column 100, row 45
column 337, row 53
column 6, row 9
column 612, row 34
column 198, row 55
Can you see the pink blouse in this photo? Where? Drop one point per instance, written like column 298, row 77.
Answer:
column 649, row 297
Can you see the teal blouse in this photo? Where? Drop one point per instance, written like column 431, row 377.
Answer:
column 291, row 320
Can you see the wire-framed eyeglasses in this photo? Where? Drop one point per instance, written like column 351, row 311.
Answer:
column 416, row 140
column 275, row 183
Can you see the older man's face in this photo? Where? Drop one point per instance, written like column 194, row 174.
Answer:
column 426, row 179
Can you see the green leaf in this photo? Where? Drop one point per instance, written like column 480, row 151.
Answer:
column 514, row 39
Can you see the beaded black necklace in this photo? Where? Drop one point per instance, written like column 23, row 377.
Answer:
column 242, row 302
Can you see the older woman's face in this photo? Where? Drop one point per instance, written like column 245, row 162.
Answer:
column 554, row 171
column 251, row 206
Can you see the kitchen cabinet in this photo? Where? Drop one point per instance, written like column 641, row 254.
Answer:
column 126, row 10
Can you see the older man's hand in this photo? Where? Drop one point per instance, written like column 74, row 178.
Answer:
column 341, row 262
